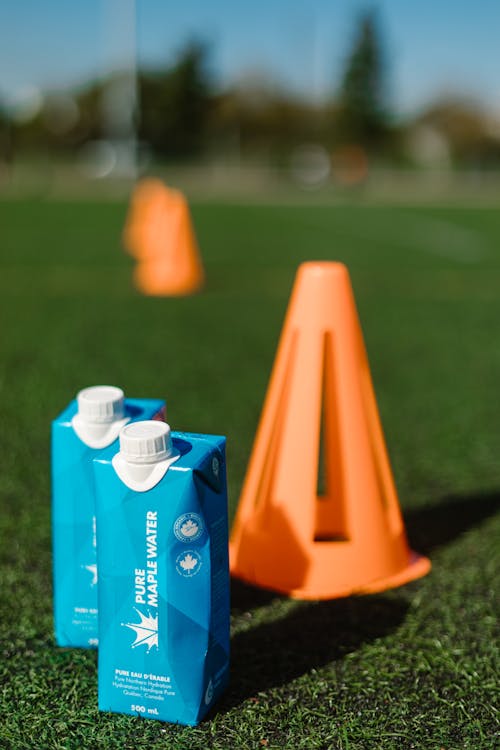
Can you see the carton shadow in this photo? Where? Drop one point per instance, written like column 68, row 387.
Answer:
column 311, row 636
column 314, row 634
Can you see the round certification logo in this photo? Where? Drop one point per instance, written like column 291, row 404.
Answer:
column 188, row 563
column 188, row 527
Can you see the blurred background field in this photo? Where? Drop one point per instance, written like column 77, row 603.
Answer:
column 299, row 131
column 381, row 99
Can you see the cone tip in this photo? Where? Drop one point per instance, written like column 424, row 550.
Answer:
column 323, row 268
column 316, row 275
column 148, row 185
column 150, row 188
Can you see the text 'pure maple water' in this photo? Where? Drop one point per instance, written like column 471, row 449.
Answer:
column 162, row 534
column 87, row 428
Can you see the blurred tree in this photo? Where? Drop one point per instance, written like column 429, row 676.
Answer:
column 265, row 122
column 363, row 112
column 5, row 138
column 473, row 137
column 175, row 104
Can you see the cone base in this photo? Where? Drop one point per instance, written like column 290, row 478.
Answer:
column 170, row 292
column 417, row 567
column 148, row 280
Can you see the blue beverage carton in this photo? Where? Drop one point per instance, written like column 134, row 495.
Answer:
column 87, row 428
column 162, row 545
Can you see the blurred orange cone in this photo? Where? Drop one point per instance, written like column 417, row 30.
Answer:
column 290, row 534
column 148, row 203
column 159, row 234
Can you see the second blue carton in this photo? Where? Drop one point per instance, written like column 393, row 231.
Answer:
column 87, row 428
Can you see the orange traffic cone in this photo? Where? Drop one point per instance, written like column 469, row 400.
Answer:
column 289, row 534
column 158, row 232
column 142, row 229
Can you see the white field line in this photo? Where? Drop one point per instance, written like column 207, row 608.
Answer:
column 449, row 240
column 435, row 236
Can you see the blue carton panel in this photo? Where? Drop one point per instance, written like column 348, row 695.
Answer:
column 164, row 586
column 74, row 524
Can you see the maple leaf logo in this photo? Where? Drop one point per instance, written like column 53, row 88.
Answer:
column 93, row 570
column 188, row 562
column 189, row 528
column 146, row 631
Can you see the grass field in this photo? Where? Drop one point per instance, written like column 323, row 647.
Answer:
column 410, row 668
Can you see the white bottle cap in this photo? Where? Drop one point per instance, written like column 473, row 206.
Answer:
column 146, row 442
column 100, row 415
column 101, row 404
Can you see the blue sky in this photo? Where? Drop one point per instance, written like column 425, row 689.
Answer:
column 433, row 46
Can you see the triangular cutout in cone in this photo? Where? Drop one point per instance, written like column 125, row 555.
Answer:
column 349, row 536
column 263, row 495
column 331, row 514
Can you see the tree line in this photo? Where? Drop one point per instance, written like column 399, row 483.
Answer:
column 181, row 115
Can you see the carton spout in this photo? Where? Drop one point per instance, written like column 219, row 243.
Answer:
column 146, row 454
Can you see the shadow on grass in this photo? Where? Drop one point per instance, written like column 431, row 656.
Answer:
column 435, row 526
column 316, row 633
column 312, row 635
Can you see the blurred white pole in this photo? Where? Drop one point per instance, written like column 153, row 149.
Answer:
column 120, row 96
column 317, row 56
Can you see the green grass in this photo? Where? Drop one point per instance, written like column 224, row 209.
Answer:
column 410, row 668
